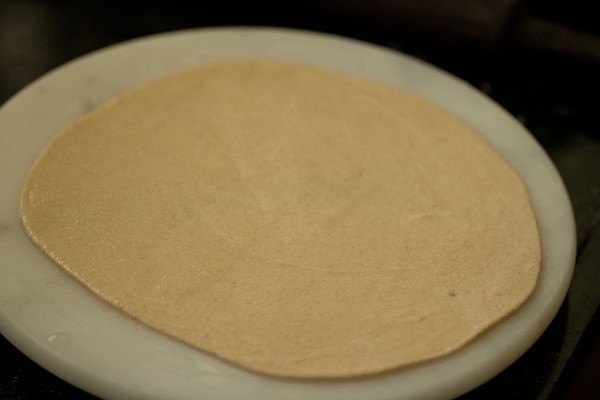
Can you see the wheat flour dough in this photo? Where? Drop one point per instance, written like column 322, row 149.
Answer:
column 294, row 221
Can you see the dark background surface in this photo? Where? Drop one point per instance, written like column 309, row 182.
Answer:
column 538, row 59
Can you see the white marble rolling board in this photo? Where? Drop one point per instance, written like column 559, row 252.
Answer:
column 73, row 334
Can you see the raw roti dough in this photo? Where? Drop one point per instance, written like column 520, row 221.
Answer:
column 292, row 220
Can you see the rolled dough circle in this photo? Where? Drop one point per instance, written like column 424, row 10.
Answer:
column 294, row 221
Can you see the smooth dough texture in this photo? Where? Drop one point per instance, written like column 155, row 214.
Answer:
column 292, row 220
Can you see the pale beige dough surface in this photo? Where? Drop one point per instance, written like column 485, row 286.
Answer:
column 291, row 220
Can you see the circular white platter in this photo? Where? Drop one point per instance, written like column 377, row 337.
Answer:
column 73, row 334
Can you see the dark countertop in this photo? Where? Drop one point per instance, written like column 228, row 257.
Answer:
column 555, row 95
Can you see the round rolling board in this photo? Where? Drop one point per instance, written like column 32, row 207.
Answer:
column 69, row 331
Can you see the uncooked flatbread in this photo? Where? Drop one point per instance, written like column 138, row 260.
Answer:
column 294, row 221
